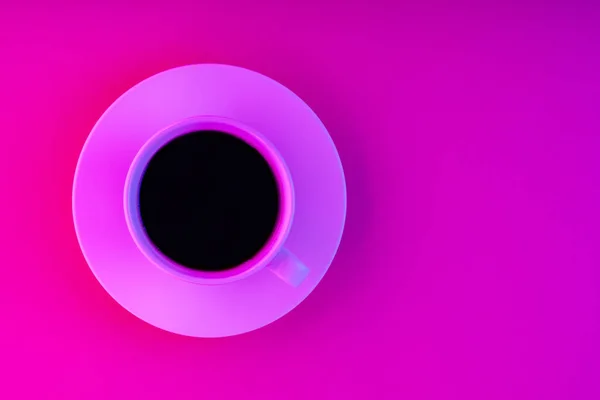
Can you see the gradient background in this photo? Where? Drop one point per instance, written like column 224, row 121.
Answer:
column 470, row 138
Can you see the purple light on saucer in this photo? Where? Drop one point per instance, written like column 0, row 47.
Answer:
column 161, row 298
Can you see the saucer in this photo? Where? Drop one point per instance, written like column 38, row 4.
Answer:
column 158, row 297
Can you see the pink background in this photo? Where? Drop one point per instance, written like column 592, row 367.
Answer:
column 470, row 264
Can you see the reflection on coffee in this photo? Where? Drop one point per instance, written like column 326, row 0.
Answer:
column 208, row 201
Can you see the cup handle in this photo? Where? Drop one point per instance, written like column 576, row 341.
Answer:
column 288, row 268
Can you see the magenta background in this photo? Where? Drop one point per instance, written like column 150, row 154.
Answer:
column 470, row 138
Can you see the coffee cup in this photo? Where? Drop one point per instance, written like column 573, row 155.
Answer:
column 211, row 201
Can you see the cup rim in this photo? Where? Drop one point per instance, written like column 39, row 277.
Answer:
column 228, row 126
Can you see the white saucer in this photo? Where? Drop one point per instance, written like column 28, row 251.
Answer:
column 156, row 296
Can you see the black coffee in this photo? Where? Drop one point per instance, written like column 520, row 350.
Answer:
column 208, row 201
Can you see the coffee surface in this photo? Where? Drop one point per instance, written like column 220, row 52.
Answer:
column 208, row 201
